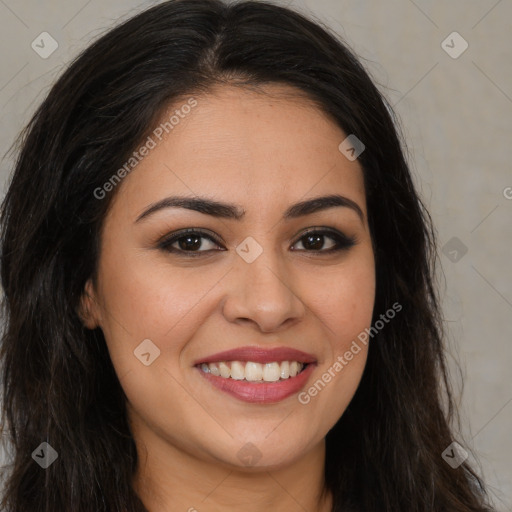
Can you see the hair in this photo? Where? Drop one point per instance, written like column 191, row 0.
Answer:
column 59, row 384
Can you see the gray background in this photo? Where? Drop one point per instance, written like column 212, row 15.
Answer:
column 457, row 118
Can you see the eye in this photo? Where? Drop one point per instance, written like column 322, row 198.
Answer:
column 315, row 239
column 189, row 241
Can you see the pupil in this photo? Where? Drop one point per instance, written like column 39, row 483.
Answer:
column 184, row 241
column 312, row 238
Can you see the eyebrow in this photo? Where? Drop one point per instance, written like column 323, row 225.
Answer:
column 234, row 212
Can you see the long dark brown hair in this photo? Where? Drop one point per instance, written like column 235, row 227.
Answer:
column 59, row 385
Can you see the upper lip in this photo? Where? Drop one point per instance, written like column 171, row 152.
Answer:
column 259, row 355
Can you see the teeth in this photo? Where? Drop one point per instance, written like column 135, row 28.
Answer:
column 214, row 370
column 285, row 370
column 254, row 372
column 271, row 372
column 225, row 370
column 237, row 370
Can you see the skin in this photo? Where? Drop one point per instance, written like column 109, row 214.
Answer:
column 264, row 152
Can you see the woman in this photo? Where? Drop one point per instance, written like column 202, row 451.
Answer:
column 218, row 282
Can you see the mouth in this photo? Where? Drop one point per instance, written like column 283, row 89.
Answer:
column 258, row 375
column 252, row 371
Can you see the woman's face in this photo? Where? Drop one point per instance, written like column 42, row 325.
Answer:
column 253, row 281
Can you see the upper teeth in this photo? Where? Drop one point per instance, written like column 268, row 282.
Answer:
column 268, row 372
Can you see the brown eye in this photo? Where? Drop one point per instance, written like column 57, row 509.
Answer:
column 189, row 241
column 314, row 241
column 193, row 242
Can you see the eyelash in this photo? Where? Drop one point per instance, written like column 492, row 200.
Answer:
column 343, row 242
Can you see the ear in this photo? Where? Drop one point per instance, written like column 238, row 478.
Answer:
column 89, row 311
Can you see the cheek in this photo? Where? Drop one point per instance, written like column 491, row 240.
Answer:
column 153, row 300
column 344, row 303
column 147, row 297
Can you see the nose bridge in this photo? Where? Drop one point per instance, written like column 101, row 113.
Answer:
column 260, row 290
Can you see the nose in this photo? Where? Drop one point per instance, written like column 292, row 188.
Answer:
column 263, row 293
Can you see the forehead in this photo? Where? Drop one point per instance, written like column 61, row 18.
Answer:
column 259, row 148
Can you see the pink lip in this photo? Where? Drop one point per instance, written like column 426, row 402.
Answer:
column 259, row 355
column 261, row 392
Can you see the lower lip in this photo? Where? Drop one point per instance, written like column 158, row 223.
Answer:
column 261, row 392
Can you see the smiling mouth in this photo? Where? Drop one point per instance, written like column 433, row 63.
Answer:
column 250, row 371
